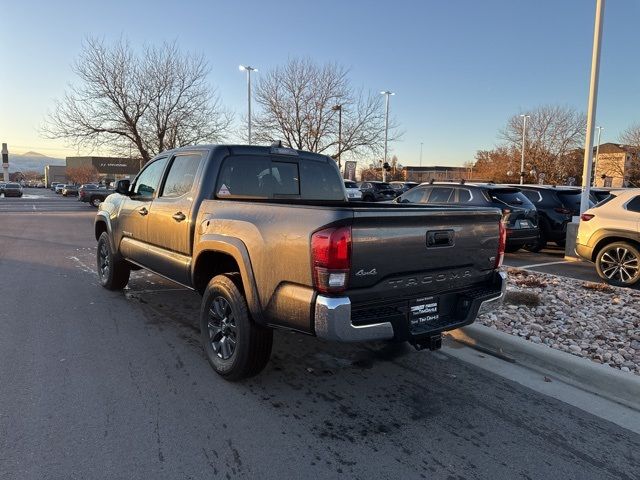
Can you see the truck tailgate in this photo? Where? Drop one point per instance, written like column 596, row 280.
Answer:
column 423, row 249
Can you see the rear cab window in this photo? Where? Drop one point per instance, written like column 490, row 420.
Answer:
column 271, row 177
column 350, row 184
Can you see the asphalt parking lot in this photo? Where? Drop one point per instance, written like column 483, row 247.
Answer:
column 99, row 384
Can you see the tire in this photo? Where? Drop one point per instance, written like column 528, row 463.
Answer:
column 234, row 344
column 619, row 264
column 539, row 245
column 512, row 248
column 95, row 201
column 561, row 243
column 367, row 198
column 113, row 271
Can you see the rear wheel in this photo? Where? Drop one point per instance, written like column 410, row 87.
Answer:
column 113, row 271
column 235, row 345
column 619, row 264
column 95, row 201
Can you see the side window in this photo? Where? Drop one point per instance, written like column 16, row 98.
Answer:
column 532, row 195
column 634, row 205
column 365, row 186
column 182, row 174
column 148, row 180
column 464, row 195
column 416, row 195
column 440, row 195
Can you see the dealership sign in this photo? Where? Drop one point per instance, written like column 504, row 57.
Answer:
column 121, row 166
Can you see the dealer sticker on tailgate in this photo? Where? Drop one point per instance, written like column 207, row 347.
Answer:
column 423, row 311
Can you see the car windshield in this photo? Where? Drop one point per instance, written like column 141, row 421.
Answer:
column 350, row 184
column 382, row 186
column 13, row 185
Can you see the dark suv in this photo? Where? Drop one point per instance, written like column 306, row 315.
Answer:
column 556, row 206
column 377, row 191
column 519, row 215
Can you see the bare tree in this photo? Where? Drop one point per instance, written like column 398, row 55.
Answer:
column 553, row 135
column 83, row 174
column 143, row 102
column 300, row 105
column 631, row 136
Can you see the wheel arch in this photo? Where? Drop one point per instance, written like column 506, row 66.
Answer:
column 215, row 256
column 606, row 240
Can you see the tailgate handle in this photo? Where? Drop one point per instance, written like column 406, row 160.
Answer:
column 440, row 238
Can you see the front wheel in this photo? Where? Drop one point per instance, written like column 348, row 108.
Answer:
column 235, row 345
column 619, row 264
column 113, row 271
column 95, row 202
column 537, row 246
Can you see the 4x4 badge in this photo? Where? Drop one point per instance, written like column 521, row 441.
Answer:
column 362, row 273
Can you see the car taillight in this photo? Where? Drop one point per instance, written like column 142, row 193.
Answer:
column 564, row 211
column 331, row 259
column 502, row 245
column 586, row 216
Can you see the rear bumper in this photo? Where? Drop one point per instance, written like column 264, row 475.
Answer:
column 334, row 318
column 584, row 251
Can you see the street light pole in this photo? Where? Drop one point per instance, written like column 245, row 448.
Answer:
column 420, row 153
column 591, row 111
column 387, row 94
column 338, row 108
column 524, row 136
column 595, row 162
column 248, row 69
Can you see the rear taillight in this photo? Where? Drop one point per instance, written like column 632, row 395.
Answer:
column 586, row 216
column 564, row 211
column 502, row 245
column 331, row 259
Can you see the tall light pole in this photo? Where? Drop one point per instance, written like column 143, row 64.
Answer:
column 338, row 108
column 420, row 153
column 524, row 137
column 248, row 69
column 387, row 94
column 595, row 162
column 593, row 101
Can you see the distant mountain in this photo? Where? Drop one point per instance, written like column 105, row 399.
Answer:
column 32, row 161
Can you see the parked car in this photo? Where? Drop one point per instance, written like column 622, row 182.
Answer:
column 93, row 194
column 70, row 191
column 402, row 187
column 375, row 191
column 609, row 236
column 54, row 185
column 2, row 185
column 40, row 185
column 12, row 190
column 556, row 206
column 519, row 216
column 353, row 192
column 59, row 187
column 268, row 237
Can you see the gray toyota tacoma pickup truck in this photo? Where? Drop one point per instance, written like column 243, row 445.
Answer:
column 268, row 237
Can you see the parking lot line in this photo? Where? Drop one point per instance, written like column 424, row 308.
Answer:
column 543, row 264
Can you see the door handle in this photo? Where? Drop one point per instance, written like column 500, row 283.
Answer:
column 143, row 211
column 178, row 216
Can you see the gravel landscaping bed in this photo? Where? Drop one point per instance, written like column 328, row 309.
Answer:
column 591, row 320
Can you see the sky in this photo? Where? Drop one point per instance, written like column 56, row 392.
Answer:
column 459, row 68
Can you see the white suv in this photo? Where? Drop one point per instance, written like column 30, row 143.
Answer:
column 353, row 192
column 609, row 235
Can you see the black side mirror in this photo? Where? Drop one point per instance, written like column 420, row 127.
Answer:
column 122, row 187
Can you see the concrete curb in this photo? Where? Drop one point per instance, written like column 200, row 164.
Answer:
column 602, row 380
